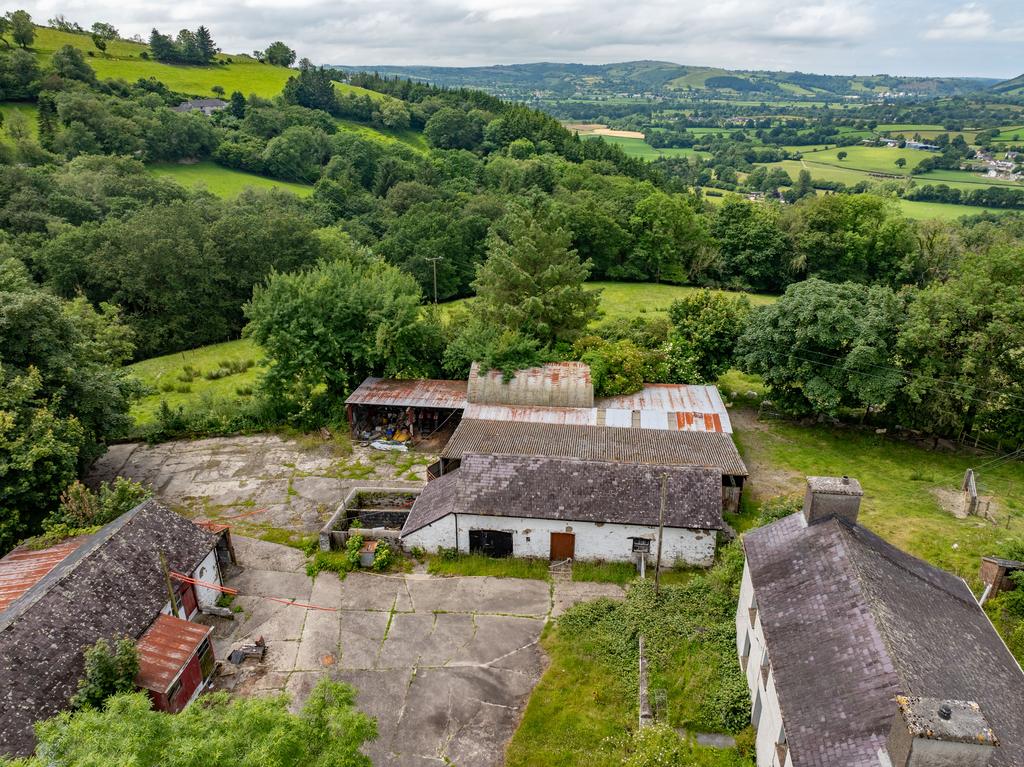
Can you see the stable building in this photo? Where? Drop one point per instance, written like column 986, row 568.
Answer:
column 412, row 409
column 708, row 449
column 57, row 602
column 568, row 508
column 858, row 654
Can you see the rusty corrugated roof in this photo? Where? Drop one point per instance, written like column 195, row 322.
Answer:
column 165, row 648
column 414, row 392
column 23, row 568
column 694, row 408
column 532, row 414
column 601, row 443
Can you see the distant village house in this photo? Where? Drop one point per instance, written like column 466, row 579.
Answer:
column 206, row 106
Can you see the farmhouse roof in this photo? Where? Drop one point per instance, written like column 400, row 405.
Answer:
column 599, row 443
column 851, row 621
column 539, row 487
column 417, row 392
column 190, row 104
column 110, row 586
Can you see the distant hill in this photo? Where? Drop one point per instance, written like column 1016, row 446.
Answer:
column 662, row 78
column 1014, row 87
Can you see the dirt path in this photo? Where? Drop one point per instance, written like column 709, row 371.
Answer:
column 766, row 479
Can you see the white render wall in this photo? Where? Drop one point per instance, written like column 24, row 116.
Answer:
column 750, row 637
column 532, row 538
column 208, row 571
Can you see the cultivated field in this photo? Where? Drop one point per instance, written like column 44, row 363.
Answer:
column 221, row 181
column 123, row 60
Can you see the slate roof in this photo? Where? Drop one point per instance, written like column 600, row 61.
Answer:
column 191, row 104
column 599, row 443
column 568, row 489
column 851, row 621
column 110, row 586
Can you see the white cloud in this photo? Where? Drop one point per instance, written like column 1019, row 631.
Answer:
column 850, row 36
column 970, row 22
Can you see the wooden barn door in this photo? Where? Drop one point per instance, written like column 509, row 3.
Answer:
column 563, row 546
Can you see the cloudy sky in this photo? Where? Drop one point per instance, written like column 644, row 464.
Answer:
column 925, row 37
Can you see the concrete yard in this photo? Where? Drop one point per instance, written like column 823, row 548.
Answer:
column 285, row 483
column 446, row 665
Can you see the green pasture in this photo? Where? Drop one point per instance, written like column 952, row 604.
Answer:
column 409, row 137
column 221, row 181
column 870, row 159
column 168, row 380
column 123, row 60
column 942, row 210
column 636, row 147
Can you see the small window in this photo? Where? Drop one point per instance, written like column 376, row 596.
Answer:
column 206, row 664
column 641, row 545
column 755, row 714
column 745, row 655
column 752, row 612
column 766, row 669
column 173, row 692
column 781, row 747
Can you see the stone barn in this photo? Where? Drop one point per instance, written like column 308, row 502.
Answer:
column 565, row 508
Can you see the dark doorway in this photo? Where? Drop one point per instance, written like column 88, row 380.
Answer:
column 563, row 546
column 493, row 543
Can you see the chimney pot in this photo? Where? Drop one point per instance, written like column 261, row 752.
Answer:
column 945, row 712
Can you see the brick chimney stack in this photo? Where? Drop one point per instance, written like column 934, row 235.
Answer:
column 829, row 497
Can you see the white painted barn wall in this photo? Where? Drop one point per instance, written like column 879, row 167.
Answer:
column 209, row 571
column 532, row 538
column 750, row 637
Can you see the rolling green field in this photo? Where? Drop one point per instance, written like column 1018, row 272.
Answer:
column 870, row 159
column 635, row 147
column 221, row 181
column 921, row 210
column 408, row 137
column 168, row 372
column 123, row 60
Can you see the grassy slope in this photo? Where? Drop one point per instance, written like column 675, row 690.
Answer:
column 123, row 60
column 900, row 483
column 165, row 370
column 223, row 182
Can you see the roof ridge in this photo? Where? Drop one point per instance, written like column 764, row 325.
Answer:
column 66, row 567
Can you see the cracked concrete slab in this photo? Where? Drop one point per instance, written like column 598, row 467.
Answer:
column 568, row 593
column 446, row 665
column 293, row 484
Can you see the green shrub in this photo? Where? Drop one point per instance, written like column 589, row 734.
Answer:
column 778, row 507
column 382, row 556
column 183, row 389
column 108, row 671
column 352, row 546
column 331, row 561
column 448, row 555
column 244, row 391
column 80, row 507
column 417, row 553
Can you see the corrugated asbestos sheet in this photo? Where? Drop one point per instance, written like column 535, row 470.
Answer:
column 164, row 650
column 23, row 568
column 599, row 443
column 419, row 392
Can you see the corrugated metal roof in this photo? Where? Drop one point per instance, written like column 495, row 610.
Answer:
column 555, row 384
column 415, row 392
column 532, row 414
column 601, row 443
column 164, row 650
column 697, row 408
column 23, row 568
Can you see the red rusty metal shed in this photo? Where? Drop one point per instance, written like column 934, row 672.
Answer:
column 175, row 661
column 419, row 392
column 23, row 568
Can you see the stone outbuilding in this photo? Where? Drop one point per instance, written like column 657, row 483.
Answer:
column 565, row 508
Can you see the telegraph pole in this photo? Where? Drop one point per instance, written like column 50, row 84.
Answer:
column 170, row 587
column 433, row 262
column 661, row 531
